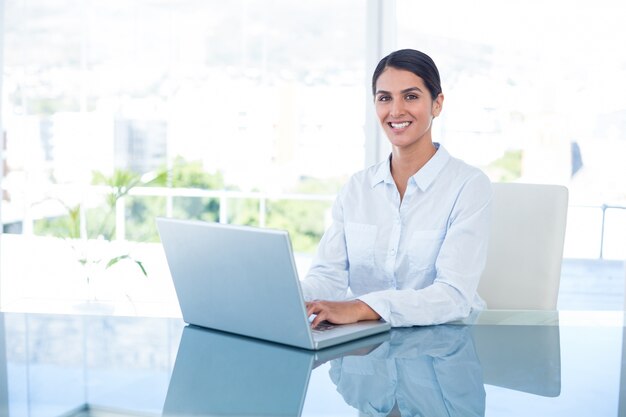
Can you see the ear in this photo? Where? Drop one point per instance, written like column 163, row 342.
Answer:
column 437, row 105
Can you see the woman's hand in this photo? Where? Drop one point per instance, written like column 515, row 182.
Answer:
column 340, row 312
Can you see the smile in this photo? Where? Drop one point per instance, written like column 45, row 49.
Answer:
column 401, row 125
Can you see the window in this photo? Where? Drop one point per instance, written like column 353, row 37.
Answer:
column 532, row 94
column 252, row 112
column 244, row 101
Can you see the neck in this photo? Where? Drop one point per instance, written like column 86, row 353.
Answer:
column 406, row 162
column 409, row 161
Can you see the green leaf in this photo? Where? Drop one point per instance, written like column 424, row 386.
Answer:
column 115, row 260
column 140, row 265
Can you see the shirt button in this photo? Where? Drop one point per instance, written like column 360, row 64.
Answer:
column 392, row 251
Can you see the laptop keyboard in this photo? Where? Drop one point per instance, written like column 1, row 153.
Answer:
column 323, row 326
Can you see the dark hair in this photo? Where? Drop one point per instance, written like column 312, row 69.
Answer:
column 413, row 61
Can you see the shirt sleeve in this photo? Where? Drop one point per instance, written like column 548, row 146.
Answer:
column 327, row 278
column 459, row 266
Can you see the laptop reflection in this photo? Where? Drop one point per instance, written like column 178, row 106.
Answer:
column 219, row 373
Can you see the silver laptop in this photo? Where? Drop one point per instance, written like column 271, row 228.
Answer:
column 218, row 374
column 243, row 280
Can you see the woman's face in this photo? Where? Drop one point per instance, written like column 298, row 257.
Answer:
column 405, row 108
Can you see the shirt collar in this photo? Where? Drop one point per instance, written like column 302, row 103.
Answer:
column 423, row 178
column 427, row 174
column 383, row 172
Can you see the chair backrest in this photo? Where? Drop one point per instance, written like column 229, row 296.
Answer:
column 525, row 253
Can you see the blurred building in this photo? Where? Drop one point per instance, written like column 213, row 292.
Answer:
column 140, row 145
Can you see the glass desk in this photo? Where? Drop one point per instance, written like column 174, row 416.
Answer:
column 498, row 363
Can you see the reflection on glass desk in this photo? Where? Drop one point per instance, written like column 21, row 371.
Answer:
column 498, row 363
column 248, row 377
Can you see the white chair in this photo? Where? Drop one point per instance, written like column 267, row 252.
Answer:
column 523, row 268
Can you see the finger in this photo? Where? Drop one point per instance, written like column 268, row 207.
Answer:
column 316, row 321
column 321, row 316
column 311, row 308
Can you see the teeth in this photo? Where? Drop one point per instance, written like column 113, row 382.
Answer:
column 399, row 125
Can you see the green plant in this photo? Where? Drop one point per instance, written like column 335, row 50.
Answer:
column 90, row 244
column 120, row 182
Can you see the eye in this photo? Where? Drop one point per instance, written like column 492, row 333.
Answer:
column 411, row 97
column 383, row 97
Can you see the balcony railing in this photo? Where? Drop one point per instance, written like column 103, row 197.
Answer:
column 592, row 231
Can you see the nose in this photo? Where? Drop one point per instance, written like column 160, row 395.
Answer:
column 397, row 108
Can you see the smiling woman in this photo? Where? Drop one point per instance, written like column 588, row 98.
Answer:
column 406, row 114
column 409, row 235
column 407, row 93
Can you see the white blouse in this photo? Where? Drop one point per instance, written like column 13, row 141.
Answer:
column 417, row 262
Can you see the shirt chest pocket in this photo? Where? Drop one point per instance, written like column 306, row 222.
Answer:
column 424, row 246
column 360, row 243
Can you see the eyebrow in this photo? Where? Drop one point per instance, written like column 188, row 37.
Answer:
column 406, row 90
